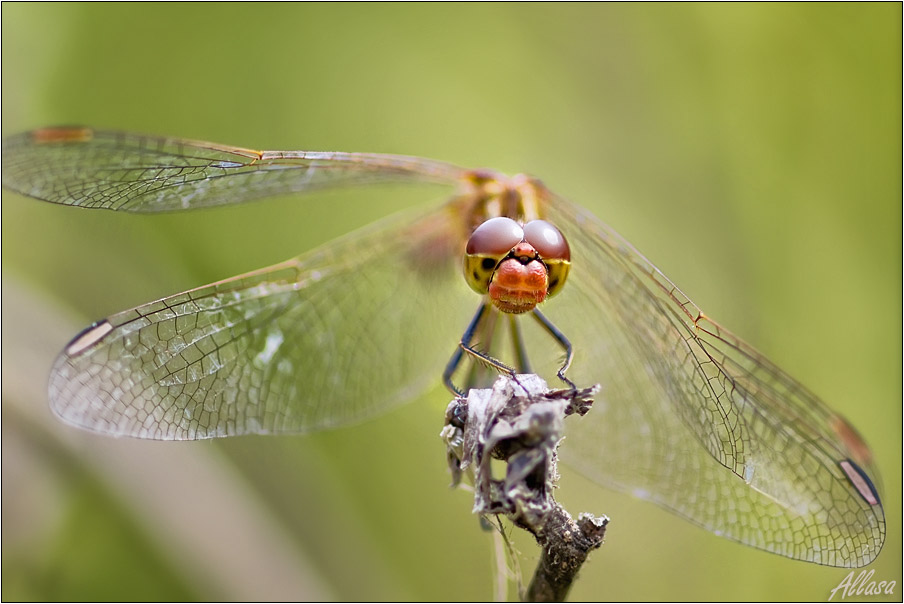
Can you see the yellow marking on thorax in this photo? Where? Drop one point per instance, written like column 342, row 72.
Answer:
column 492, row 194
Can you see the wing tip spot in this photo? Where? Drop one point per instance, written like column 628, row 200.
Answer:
column 88, row 337
column 860, row 481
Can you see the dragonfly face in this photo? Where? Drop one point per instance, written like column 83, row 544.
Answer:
column 690, row 417
column 504, row 259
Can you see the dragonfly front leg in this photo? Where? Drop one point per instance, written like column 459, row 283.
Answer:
column 464, row 346
column 563, row 342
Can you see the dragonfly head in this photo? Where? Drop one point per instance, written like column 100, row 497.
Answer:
column 517, row 266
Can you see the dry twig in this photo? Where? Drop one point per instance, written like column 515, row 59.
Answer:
column 520, row 421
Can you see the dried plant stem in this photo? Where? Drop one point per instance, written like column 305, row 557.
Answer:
column 565, row 544
column 520, row 421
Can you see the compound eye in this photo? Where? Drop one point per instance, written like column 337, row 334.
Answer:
column 496, row 237
column 547, row 240
column 488, row 245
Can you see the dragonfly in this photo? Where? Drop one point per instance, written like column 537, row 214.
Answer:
column 690, row 417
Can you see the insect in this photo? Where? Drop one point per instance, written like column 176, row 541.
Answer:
column 690, row 417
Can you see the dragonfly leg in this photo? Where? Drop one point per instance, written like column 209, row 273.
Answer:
column 563, row 342
column 464, row 346
column 521, row 361
column 455, row 361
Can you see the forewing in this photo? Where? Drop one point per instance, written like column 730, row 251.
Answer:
column 327, row 339
column 137, row 173
column 693, row 419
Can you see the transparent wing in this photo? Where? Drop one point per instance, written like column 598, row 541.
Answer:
column 136, row 173
column 329, row 338
column 695, row 420
column 689, row 417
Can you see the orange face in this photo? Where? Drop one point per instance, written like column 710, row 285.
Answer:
column 518, row 266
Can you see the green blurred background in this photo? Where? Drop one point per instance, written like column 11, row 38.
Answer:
column 753, row 152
